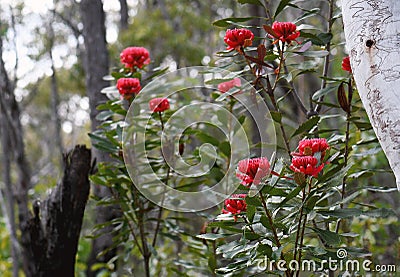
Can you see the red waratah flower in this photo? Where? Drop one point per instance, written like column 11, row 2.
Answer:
column 135, row 57
column 284, row 31
column 346, row 64
column 237, row 38
column 308, row 147
column 251, row 171
column 159, row 104
column 128, row 86
column 307, row 165
column 226, row 86
column 235, row 204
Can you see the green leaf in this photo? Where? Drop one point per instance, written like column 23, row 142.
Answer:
column 341, row 213
column 225, row 148
column 310, row 204
column 254, row 2
column 104, row 115
column 276, row 116
column 320, row 39
column 212, row 237
column 313, row 54
column 322, row 92
column 253, row 201
column 281, row 6
column 250, row 235
column 212, row 263
column 337, row 178
column 203, row 137
column 331, row 238
column 325, row 37
column 381, row 189
column 306, row 126
column 291, row 195
column 382, row 213
column 226, row 22
column 265, row 249
column 265, row 222
column 251, row 210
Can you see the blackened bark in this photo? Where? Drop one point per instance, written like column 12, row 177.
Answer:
column 96, row 64
column 50, row 236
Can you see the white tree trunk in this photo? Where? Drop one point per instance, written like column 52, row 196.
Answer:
column 372, row 30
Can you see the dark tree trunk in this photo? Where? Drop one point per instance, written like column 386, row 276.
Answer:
column 50, row 237
column 14, row 152
column 124, row 14
column 96, row 64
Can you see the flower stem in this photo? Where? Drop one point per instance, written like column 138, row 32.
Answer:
column 274, row 232
column 346, row 160
column 160, row 209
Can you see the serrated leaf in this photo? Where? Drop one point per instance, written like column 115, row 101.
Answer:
column 306, row 126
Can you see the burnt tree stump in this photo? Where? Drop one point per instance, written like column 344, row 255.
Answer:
column 50, row 236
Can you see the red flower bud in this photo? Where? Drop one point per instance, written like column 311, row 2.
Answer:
column 251, row 171
column 284, row 31
column 308, row 147
column 237, row 38
column 159, row 104
column 135, row 57
column 235, row 204
column 128, row 86
column 307, row 165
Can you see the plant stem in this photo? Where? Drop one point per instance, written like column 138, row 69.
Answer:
column 274, row 232
column 299, row 224
column 301, row 241
column 282, row 63
column 346, row 160
column 160, row 210
column 146, row 252
column 325, row 72
column 270, row 91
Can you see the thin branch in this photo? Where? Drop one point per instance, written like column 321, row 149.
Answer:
column 68, row 22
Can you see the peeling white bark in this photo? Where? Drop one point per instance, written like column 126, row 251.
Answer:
column 372, row 30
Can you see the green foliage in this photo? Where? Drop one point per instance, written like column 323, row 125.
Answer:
column 290, row 215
